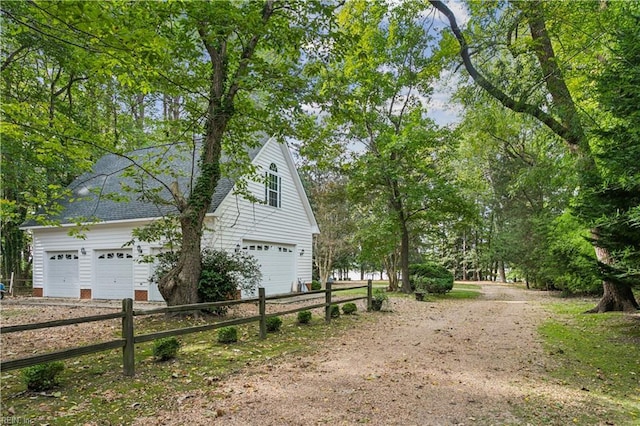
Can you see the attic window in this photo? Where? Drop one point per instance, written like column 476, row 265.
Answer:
column 272, row 187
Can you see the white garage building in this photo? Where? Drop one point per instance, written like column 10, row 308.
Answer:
column 95, row 261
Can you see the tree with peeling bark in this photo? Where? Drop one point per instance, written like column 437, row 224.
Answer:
column 530, row 30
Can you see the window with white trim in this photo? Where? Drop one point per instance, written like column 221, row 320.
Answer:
column 272, row 188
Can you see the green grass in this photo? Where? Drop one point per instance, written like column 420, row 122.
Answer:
column 459, row 292
column 461, row 286
column 93, row 387
column 598, row 354
column 358, row 291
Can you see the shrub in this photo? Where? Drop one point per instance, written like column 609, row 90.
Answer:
column 166, row 349
column 433, row 285
column 378, row 299
column 304, row 317
column 431, row 278
column 334, row 311
column 273, row 324
column 315, row 285
column 223, row 274
column 349, row 308
column 228, row 335
column 42, row 377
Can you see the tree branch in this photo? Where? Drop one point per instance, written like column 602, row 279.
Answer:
column 247, row 53
column 567, row 134
column 12, row 55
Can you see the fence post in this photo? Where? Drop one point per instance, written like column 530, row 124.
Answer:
column 262, row 311
column 128, row 350
column 327, row 301
column 369, row 295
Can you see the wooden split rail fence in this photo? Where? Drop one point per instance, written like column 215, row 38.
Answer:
column 128, row 340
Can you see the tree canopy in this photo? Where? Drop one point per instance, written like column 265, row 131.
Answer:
column 542, row 164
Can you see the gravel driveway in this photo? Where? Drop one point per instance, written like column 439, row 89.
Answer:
column 446, row 363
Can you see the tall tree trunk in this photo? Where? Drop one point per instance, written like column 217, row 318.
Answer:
column 397, row 205
column 476, row 258
column 501, row 272
column 324, row 260
column 404, row 257
column 615, row 297
column 176, row 287
column 180, row 285
column 390, row 262
column 464, row 256
column 138, row 110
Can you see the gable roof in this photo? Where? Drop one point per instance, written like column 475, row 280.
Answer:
column 108, row 192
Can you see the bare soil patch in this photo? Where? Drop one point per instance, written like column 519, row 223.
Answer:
column 21, row 311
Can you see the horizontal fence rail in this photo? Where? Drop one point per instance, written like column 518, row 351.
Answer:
column 59, row 323
column 129, row 339
column 14, row 364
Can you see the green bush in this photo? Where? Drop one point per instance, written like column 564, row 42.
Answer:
column 42, row 377
column 334, row 311
column 304, row 317
column 349, row 308
column 430, row 278
column 378, row 299
column 228, row 335
column 273, row 324
column 223, row 274
column 166, row 349
column 571, row 265
column 315, row 285
column 433, row 285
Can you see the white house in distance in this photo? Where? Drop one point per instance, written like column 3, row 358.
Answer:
column 278, row 231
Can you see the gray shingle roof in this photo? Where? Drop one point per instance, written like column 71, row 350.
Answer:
column 111, row 191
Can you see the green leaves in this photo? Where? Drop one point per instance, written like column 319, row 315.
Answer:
column 373, row 98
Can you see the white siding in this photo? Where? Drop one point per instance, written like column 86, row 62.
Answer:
column 154, row 294
column 99, row 237
column 238, row 219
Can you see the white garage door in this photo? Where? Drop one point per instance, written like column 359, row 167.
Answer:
column 62, row 274
column 114, row 275
column 277, row 264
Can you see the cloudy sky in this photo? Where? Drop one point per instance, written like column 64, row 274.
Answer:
column 440, row 108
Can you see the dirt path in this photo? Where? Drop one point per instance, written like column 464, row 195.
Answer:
column 447, row 363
